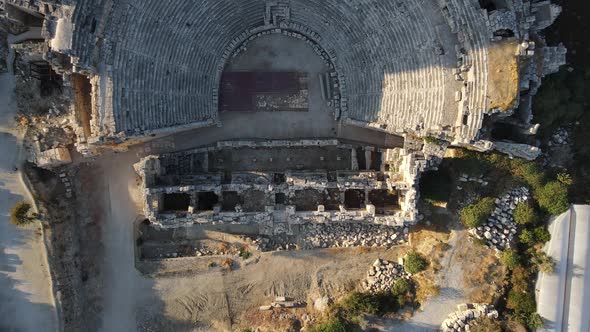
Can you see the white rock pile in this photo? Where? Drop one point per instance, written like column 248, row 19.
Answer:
column 466, row 315
column 344, row 235
column 500, row 228
column 383, row 274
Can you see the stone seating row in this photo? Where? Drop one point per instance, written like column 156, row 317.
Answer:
column 167, row 57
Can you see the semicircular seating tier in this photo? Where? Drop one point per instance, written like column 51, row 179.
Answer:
column 395, row 59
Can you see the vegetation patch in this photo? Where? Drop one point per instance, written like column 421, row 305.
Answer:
column 348, row 313
column 414, row 263
column 475, row 215
column 525, row 214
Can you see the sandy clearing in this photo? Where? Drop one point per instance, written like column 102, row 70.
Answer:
column 25, row 284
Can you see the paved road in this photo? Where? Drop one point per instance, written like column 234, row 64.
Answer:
column 563, row 297
column 26, row 302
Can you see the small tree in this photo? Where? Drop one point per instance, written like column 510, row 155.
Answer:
column 415, row 263
column 476, row 214
column 525, row 214
column 19, row 214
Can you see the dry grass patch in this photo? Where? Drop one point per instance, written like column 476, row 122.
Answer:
column 431, row 242
column 227, row 263
column 483, row 272
column 425, row 286
column 269, row 321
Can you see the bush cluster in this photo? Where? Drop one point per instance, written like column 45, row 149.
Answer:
column 414, row 263
column 524, row 307
column 525, row 214
column 552, row 197
column 476, row 214
column 510, row 258
column 332, row 325
column 345, row 315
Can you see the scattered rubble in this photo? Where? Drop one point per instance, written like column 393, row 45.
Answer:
column 345, row 235
column 383, row 274
column 335, row 235
column 466, row 314
column 500, row 228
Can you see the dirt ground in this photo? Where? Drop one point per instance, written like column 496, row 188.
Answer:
column 504, row 76
column 224, row 301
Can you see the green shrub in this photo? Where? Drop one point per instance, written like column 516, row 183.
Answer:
column 534, row 321
column 521, row 302
column 543, row 262
column 552, row 197
column 358, row 303
column 247, row 330
column 476, row 214
column 542, row 235
column 415, row 263
column 527, row 237
column 531, row 174
column 333, row 325
column 565, row 178
column 525, row 214
column 19, row 214
column 355, row 304
column 431, row 140
column 400, row 287
column 510, row 258
column 245, row 254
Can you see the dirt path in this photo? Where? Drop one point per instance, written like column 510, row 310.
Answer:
column 123, row 283
column 26, row 298
column 452, row 291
